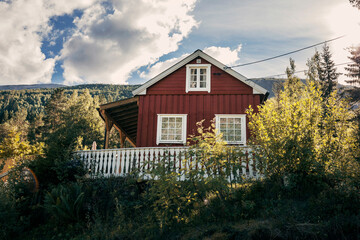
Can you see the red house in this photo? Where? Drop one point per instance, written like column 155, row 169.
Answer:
column 165, row 109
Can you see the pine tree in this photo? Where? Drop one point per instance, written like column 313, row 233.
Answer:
column 314, row 68
column 327, row 73
column 292, row 83
column 354, row 67
column 355, row 3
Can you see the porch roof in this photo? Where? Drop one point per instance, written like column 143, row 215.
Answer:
column 123, row 115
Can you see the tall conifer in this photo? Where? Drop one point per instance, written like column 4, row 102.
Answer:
column 353, row 68
column 327, row 73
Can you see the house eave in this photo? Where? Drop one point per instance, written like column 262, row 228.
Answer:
column 198, row 53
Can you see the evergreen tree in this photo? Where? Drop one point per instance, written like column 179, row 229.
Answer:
column 355, row 3
column 292, row 83
column 314, row 67
column 55, row 107
column 327, row 73
column 354, row 67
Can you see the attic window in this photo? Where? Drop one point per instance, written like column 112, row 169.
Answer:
column 198, row 77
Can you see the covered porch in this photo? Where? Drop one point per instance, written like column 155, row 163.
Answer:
column 123, row 116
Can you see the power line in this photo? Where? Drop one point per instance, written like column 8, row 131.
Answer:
column 288, row 53
column 300, row 71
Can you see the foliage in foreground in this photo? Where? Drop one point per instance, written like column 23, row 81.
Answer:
column 125, row 208
column 203, row 206
column 300, row 132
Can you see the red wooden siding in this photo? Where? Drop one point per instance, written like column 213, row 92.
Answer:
column 197, row 106
column 220, row 84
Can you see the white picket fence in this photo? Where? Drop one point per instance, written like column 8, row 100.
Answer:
column 123, row 161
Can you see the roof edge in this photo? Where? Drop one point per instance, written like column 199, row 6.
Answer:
column 198, row 53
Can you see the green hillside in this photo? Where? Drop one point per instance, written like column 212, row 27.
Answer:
column 32, row 101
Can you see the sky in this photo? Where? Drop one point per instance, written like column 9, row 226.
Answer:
column 128, row 42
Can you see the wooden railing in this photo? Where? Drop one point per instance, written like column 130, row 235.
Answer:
column 123, row 161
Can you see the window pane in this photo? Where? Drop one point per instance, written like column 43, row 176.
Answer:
column 164, row 125
column 202, row 84
column 178, row 137
column 164, row 119
column 171, row 119
column 178, row 125
column 222, row 120
column 230, row 120
column 178, row 120
column 237, row 135
column 231, row 132
column 237, row 132
column 238, row 126
column 238, row 120
column 193, row 82
column 202, row 70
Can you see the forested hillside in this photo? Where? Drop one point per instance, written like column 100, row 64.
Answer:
column 25, row 114
column 31, row 102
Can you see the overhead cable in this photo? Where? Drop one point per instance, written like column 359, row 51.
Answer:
column 281, row 74
column 288, row 53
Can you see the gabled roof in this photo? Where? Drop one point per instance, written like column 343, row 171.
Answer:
column 198, row 53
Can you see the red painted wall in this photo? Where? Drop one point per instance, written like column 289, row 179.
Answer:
column 228, row 96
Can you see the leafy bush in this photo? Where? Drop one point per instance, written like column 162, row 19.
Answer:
column 65, row 203
column 300, row 133
column 177, row 196
column 9, row 216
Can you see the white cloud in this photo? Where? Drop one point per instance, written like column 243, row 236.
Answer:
column 160, row 66
column 223, row 54
column 24, row 24
column 112, row 42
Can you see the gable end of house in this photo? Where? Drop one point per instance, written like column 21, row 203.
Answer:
column 198, row 54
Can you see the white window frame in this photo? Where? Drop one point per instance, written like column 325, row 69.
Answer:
column 243, row 126
column 208, row 77
column 183, row 128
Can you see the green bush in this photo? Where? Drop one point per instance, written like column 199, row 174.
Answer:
column 65, row 203
column 9, row 216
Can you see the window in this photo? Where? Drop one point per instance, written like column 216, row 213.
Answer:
column 171, row 128
column 233, row 127
column 198, row 77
